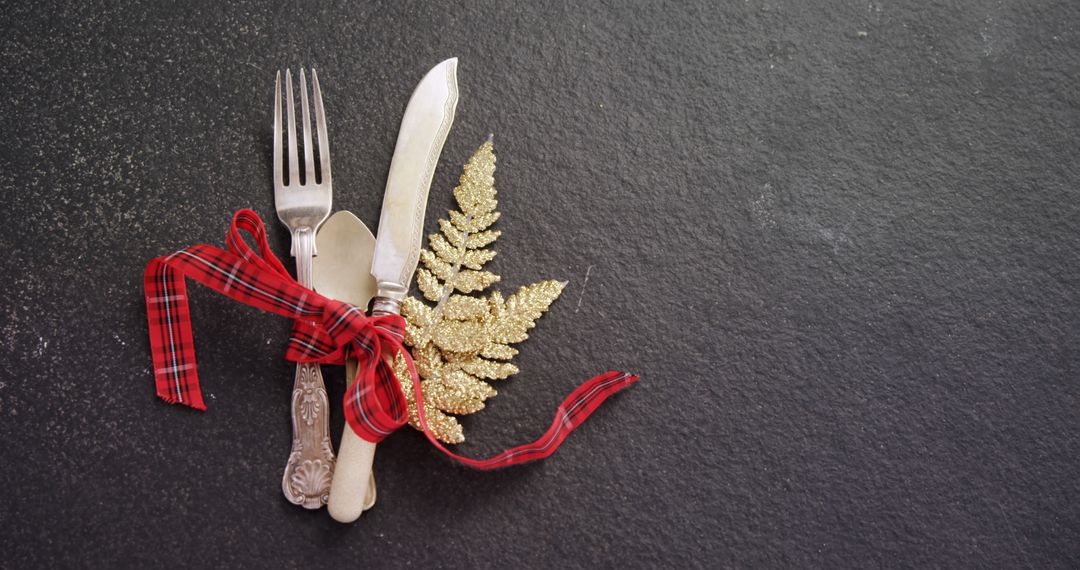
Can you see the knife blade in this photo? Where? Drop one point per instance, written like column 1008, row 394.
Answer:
column 423, row 131
column 420, row 140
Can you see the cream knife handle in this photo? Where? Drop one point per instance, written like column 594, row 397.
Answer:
column 353, row 489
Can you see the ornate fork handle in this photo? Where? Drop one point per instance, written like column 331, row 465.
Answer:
column 311, row 462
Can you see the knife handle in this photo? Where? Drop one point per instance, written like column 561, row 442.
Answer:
column 385, row 304
column 352, row 490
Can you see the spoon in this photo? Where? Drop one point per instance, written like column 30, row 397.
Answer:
column 342, row 271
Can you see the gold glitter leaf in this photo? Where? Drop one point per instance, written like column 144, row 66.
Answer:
column 495, row 301
column 446, row 255
column 440, row 268
column 482, row 239
column 461, row 308
column 417, row 313
column 418, row 317
column 477, row 223
column 412, row 334
column 475, row 192
column 459, row 336
column 442, row 247
column 531, row 301
column 445, row 427
column 489, row 369
column 456, row 237
column 498, row 351
column 519, row 313
column 472, row 200
column 463, row 340
column 429, row 285
column 459, row 393
column 468, row 281
column 476, row 258
column 428, row 360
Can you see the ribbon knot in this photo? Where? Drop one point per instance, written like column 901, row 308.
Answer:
column 325, row 331
column 374, row 405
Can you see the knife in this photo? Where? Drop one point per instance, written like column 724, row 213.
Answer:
column 420, row 140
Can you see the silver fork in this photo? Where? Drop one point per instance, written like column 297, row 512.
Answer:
column 303, row 208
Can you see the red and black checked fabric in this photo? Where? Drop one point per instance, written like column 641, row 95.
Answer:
column 324, row 331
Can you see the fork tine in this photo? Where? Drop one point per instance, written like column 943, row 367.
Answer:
column 320, row 127
column 277, row 131
column 294, row 160
column 309, row 160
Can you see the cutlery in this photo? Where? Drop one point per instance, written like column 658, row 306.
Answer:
column 303, row 207
column 423, row 131
column 341, row 272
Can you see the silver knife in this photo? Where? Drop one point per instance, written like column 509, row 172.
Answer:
column 420, row 140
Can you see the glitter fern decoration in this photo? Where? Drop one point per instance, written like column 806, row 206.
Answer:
column 460, row 342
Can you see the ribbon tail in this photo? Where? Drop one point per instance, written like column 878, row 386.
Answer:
column 573, row 411
column 176, row 377
column 243, row 275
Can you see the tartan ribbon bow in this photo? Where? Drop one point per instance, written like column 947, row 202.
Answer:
column 325, row 331
column 374, row 405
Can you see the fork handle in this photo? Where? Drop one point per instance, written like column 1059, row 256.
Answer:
column 310, row 467
column 353, row 489
column 303, row 249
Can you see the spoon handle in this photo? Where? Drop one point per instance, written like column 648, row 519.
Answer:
column 352, row 490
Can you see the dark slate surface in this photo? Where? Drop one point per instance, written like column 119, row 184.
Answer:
column 837, row 240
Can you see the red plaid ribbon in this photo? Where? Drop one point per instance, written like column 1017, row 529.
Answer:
column 325, row 331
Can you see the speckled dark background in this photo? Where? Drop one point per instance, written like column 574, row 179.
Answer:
column 838, row 241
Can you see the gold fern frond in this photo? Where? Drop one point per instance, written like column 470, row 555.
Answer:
column 518, row 313
column 444, row 426
column 458, row 392
column 461, row 342
column 482, row 239
column 429, row 285
column 489, row 369
column 454, row 235
column 439, row 268
column 498, row 351
column 462, row 308
column 473, row 223
column 460, row 337
column 471, row 281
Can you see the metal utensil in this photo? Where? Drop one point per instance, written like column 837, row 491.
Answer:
column 303, row 207
column 420, row 140
column 341, row 271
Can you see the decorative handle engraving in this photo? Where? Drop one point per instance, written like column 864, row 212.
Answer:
column 311, row 463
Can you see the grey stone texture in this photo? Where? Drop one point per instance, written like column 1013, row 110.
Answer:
column 838, row 241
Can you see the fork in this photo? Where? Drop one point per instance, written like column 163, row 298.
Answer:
column 303, row 207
